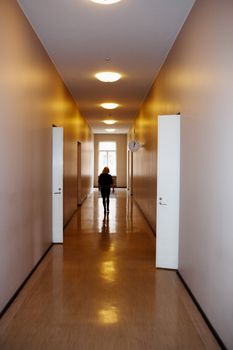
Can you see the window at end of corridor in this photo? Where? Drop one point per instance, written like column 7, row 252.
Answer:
column 107, row 156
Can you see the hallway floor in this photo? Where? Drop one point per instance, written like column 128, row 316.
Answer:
column 100, row 290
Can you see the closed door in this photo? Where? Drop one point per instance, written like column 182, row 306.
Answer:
column 168, row 188
column 57, row 225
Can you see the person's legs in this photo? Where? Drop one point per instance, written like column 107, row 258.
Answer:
column 107, row 198
column 103, row 194
column 104, row 203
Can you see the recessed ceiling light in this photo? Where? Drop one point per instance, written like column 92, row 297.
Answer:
column 110, row 130
column 109, row 105
column 108, row 77
column 109, row 121
column 105, row 2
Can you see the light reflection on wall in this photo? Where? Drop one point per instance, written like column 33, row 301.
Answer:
column 61, row 106
column 109, row 315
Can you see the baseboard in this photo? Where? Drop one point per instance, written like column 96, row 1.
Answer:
column 82, row 200
column 212, row 329
column 6, row 307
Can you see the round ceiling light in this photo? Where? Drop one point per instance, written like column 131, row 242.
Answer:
column 106, row 2
column 109, row 121
column 108, row 77
column 109, row 105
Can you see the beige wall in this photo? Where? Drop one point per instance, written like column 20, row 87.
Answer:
column 197, row 80
column 121, row 141
column 32, row 98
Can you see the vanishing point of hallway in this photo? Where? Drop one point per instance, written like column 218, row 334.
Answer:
column 101, row 291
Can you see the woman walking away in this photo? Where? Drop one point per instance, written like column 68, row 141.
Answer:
column 105, row 183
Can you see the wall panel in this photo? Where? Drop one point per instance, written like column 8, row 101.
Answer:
column 197, row 81
column 32, row 98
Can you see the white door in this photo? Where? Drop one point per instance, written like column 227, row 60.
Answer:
column 57, row 185
column 168, row 189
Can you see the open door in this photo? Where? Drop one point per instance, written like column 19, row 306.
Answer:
column 168, row 189
column 79, row 173
column 130, row 172
column 57, row 181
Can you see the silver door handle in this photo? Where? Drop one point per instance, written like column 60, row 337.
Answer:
column 160, row 203
column 57, row 193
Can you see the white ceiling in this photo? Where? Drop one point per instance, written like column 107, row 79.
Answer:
column 135, row 34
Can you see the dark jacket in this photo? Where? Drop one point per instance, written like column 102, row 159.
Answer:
column 105, row 180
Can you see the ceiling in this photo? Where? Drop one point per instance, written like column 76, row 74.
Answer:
column 132, row 37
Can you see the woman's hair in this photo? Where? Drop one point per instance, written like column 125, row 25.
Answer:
column 105, row 170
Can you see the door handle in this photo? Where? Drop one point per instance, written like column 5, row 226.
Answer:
column 160, row 201
column 59, row 191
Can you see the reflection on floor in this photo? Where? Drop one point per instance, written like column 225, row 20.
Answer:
column 100, row 290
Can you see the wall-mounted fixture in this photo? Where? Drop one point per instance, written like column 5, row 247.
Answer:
column 134, row 145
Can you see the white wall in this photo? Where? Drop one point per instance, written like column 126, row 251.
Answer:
column 206, row 222
column 197, row 80
column 121, row 140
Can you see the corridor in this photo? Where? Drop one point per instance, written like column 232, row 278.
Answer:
column 100, row 290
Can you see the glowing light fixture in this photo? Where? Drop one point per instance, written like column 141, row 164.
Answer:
column 109, row 105
column 108, row 77
column 109, row 121
column 106, row 2
column 110, row 130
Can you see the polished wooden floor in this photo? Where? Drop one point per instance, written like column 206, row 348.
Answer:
column 100, row 290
